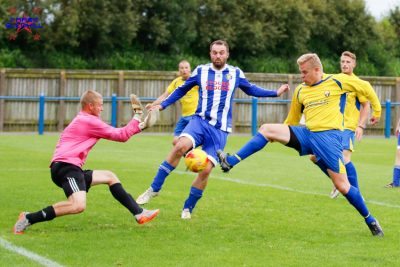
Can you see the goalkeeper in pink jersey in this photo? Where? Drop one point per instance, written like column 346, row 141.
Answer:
column 77, row 139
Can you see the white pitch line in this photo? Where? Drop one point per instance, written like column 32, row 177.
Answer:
column 284, row 188
column 30, row 255
column 239, row 181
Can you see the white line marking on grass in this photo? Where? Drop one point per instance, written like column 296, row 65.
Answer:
column 239, row 181
column 30, row 255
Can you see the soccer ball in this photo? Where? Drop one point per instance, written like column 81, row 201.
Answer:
column 196, row 160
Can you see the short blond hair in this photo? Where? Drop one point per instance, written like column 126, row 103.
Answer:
column 312, row 58
column 89, row 96
column 183, row 61
column 350, row 55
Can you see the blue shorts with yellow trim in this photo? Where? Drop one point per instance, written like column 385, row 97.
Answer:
column 348, row 140
column 201, row 133
column 325, row 145
column 303, row 135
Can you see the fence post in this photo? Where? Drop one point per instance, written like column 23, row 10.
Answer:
column 388, row 118
column 41, row 113
column 397, row 99
column 254, row 116
column 61, row 105
column 2, row 101
column 120, row 91
column 114, row 106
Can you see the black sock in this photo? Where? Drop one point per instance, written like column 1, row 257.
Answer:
column 125, row 199
column 46, row 214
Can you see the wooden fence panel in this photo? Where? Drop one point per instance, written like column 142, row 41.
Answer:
column 22, row 115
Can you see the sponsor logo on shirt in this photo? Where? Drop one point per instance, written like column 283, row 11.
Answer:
column 217, row 85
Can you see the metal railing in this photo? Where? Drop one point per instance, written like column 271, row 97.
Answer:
column 114, row 104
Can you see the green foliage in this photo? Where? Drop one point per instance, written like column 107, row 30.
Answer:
column 394, row 19
column 65, row 61
column 13, row 59
column 269, row 64
column 264, row 36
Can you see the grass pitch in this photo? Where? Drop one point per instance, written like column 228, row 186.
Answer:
column 271, row 210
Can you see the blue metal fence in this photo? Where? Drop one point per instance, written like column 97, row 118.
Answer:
column 388, row 116
column 114, row 100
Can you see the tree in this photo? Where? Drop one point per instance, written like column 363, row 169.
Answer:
column 93, row 27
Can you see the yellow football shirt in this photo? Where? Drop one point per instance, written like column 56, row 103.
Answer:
column 189, row 101
column 352, row 109
column 323, row 103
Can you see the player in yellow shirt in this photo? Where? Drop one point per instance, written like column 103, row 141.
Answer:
column 355, row 120
column 322, row 102
column 188, row 102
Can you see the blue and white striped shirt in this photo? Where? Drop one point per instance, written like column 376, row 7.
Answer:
column 216, row 89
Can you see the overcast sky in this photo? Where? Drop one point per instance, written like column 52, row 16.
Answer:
column 380, row 8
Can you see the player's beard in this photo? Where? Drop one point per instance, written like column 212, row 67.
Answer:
column 218, row 64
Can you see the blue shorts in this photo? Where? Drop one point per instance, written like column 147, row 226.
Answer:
column 348, row 140
column 204, row 134
column 181, row 124
column 302, row 134
column 325, row 145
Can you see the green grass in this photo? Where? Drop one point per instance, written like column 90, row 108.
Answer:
column 271, row 210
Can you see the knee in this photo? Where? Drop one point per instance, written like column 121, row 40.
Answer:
column 180, row 149
column 342, row 185
column 175, row 141
column 112, row 177
column 264, row 129
column 343, row 188
column 78, row 207
column 206, row 172
column 397, row 160
column 313, row 158
column 346, row 159
column 267, row 131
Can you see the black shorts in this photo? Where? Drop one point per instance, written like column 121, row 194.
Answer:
column 71, row 178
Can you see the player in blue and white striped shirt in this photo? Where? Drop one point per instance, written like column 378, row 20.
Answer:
column 212, row 121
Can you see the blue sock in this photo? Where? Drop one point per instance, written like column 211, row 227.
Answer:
column 255, row 144
column 163, row 171
column 322, row 166
column 194, row 196
column 396, row 175
column 352, row 174
column 355, row 199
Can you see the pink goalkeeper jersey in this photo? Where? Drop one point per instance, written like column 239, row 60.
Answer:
column 83, row 133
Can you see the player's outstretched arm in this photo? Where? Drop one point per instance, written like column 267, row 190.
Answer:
column 283, row 89
column 158, row 101
column 156, row 107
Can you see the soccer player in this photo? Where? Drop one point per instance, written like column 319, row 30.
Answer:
column 212, row 121
column 355, row 120
column 188, row 101
column 70, row 154
column 396, row 169
column 321, row 100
